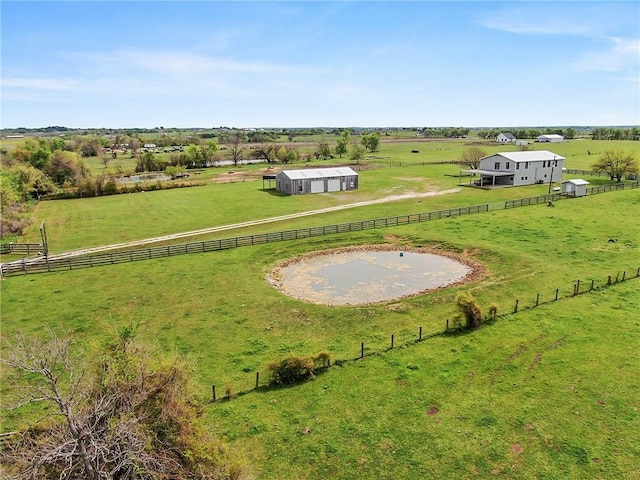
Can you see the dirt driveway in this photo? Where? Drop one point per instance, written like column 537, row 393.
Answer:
column 204, row 231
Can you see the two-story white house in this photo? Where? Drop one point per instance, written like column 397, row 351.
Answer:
column 518, row 168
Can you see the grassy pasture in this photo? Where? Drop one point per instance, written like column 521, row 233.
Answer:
column 548, row 393
column 394, row 170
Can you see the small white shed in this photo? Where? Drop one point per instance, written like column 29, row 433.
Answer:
column 575, row 188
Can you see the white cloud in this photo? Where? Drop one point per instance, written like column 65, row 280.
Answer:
column 147, row 72
column 622, row 54
column 528, row 22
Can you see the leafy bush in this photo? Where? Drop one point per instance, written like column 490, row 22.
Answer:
column 297, row 368
column 470, row 309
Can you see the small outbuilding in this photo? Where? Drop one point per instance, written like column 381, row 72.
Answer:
column 316, row 180
column 550, row 138
column 575, row 188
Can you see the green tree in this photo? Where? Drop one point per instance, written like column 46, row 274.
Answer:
column 292, row 156
column 31, row 182
column 174, row 170
column 616, row 164
column 65, row 168
column 202, row 156
column 356, row 153
column 267, row 152
column 323, row 151
column 342, row 145
column 130, row 414
column 13, row 217
column 371, row 141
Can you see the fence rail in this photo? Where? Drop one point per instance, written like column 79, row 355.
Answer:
column 52, row 264
column 393, row 341
column 22, row 249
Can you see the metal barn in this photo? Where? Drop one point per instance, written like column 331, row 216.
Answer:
column 317, row 180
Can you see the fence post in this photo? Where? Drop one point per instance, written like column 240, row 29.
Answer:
column 420, row 334
column 624, row 274
column 557, row 290
column 609, row 280
column 362, row 350
column 617, row 275
column 447, row 329
column 578, row 287
column 638, row 272
column 592, row 284
column 392, row 336
column 515, row 310
column 213, row 393
column 257, row 379
column 537, row 300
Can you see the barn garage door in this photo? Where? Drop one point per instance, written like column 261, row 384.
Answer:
column 317, row 186
column 333, row 185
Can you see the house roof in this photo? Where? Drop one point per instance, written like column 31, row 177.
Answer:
column 510, row 136
column 319, row 172
column 529, row 156
column 577, row 181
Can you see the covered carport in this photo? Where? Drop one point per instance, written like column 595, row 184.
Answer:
column 488, row 178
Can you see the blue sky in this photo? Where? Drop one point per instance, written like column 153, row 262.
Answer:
column 313, row 64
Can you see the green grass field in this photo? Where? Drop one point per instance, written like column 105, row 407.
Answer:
column 550, row 392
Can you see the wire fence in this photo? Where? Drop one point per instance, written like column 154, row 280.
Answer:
column 56, row 264
column 262, row 380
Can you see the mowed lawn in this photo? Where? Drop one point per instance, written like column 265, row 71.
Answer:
column 548, row 393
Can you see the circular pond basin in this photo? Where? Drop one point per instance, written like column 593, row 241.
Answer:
column 364, row 276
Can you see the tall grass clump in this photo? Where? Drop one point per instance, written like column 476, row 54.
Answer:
column 296, row 368
column 469, row 309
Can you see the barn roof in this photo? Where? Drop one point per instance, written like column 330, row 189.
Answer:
column 319, row 172
column 550, row 135
column 529, row 156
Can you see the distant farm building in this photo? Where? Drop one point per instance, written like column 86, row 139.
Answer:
column 550, row 138
column 317, row 180
column 575, row 188
column 506, row 138
column 517, row 168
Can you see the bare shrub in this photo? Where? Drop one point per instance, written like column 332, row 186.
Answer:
column 131, row 414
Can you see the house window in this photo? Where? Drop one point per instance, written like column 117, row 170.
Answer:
column 517, row 166
column 506, row 166
column 526, row 165
column 496, row 166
